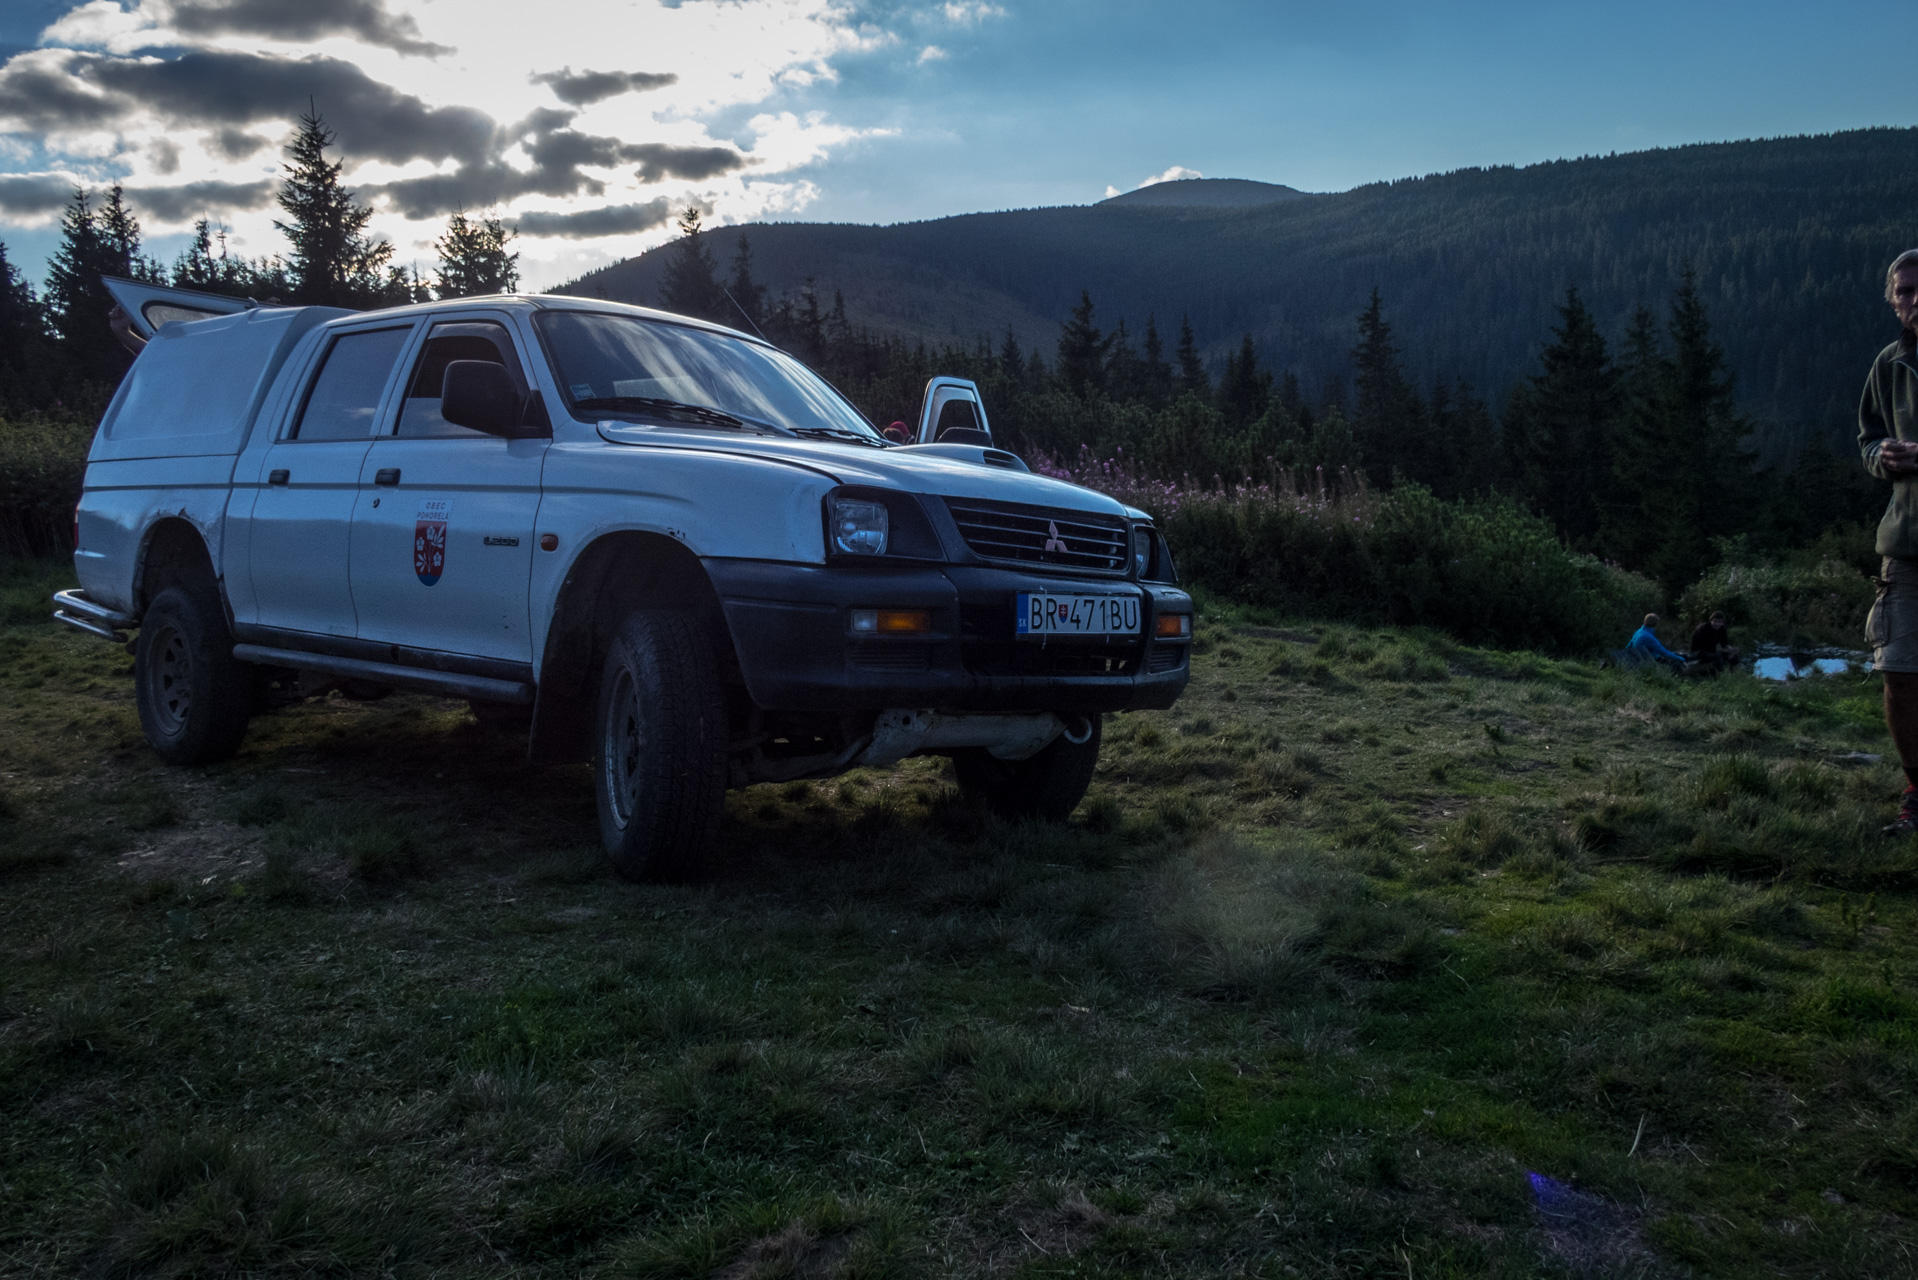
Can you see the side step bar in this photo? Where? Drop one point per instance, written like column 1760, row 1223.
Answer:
column 74, row 609
column 445, row 683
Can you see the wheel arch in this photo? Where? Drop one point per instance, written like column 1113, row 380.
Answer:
column 613, row 575
column 173, row 552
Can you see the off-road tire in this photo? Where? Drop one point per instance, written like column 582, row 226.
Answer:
column 1047, row 786
column 193, row 696
column 659, row 733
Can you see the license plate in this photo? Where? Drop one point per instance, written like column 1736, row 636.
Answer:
column 1041, row 614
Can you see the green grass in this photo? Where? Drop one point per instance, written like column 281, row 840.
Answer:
column 1368, row 929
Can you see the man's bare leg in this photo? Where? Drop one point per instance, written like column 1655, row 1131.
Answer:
column 1901, row 717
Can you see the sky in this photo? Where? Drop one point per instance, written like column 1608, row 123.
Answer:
column 589, row 124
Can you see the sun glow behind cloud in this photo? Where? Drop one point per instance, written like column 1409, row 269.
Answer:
column 588, row 122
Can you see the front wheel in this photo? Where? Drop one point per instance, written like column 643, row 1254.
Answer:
column 1047, row 786
column 192, row 695
column 660, row 729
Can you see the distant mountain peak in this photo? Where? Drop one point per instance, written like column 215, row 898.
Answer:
column 1207, row 193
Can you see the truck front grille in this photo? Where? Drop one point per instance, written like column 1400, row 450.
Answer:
column 1013, row 534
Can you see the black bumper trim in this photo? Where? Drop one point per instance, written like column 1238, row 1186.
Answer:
column 789, row 626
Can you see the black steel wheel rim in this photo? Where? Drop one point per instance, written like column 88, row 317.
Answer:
column 625, row 743
column 170, row 680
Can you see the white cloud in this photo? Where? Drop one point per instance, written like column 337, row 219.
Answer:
column 932, row 53
column 1112, row 191
column 1177, row 173
column 463, row 113
column 971, row 12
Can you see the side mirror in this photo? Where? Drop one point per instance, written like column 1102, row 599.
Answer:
column 480, row 394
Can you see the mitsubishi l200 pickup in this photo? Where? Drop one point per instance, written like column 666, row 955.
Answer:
column 650, row 543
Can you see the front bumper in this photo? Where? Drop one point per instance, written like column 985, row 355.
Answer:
column 791, row 629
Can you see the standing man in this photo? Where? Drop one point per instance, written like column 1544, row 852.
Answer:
column 1888, row 442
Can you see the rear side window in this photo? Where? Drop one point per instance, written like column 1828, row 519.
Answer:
column 346, row 395
column 460, row 340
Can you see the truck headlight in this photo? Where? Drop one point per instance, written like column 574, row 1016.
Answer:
column 1141, row 549
column 859, row 527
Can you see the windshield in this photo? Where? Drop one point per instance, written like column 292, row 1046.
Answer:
column 622, row 366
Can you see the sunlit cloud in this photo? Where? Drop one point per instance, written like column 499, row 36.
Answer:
column 189, row 104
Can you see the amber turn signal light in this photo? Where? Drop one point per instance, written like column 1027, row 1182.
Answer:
column 1173, row 626
column 891, row 622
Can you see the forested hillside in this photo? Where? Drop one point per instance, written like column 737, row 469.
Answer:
column 1789, row 238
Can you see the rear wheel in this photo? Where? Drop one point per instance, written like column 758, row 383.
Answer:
column 1047, row 786
column 192, row 695
column 660, row 734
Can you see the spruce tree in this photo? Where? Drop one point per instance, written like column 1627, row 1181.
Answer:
column 1386, row 415
column 1193, row 379
column 1683, row 475
column 1082, row 350
column 1012, row 361
column 333, row 262
column 207, row 265
column 1125, row 373
column 1630, row 517
column 1157, row 373
column 690, row 285
column 1246, row 389
column 748, row 295
column 92, row 245
column 473, row 257
column 29, row 377
column 1560, row 422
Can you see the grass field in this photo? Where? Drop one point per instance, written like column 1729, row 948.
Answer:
column 1378, row 956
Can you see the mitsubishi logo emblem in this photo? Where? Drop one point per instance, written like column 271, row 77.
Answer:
column 1054, row 542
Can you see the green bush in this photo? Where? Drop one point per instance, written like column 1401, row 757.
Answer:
column 1485, row 569
column 42, row 463
column 1805, row 599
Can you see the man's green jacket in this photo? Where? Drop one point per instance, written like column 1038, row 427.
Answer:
column 1889, row 408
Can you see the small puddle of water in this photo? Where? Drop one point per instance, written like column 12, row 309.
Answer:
column 1789, row 668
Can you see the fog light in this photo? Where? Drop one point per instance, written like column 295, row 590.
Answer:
column 1173, row 626
column 859, row 528
column 891, row 622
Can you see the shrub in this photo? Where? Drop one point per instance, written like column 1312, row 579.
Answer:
column 1485, row 570
column 1806, row 599
column 42, row 462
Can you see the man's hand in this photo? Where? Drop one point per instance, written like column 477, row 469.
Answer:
column 1899, row 457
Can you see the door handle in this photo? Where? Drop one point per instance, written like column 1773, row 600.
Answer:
column 277, row 476
column 387, row 475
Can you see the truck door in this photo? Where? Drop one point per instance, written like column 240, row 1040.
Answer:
column 443, row 529
column 309, row 480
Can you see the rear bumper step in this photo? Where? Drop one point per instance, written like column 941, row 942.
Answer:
column 82, row 614
column 445, row 683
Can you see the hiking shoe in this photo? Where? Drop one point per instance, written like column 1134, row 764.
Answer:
column 1906, row 822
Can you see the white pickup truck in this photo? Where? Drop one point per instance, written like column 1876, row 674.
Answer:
column 651, row 543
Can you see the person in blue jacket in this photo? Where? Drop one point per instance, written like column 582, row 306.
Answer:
column 1645, row 644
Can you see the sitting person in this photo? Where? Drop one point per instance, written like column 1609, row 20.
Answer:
column 1645, row 644
column 1712, row 645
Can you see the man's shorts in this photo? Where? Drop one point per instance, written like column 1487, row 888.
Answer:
column 1891, row 628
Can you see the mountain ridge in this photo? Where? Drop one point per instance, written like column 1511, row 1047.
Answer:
column 1788, row 236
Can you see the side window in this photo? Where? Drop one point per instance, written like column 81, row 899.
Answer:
column 346, row 395
column 458, row 340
